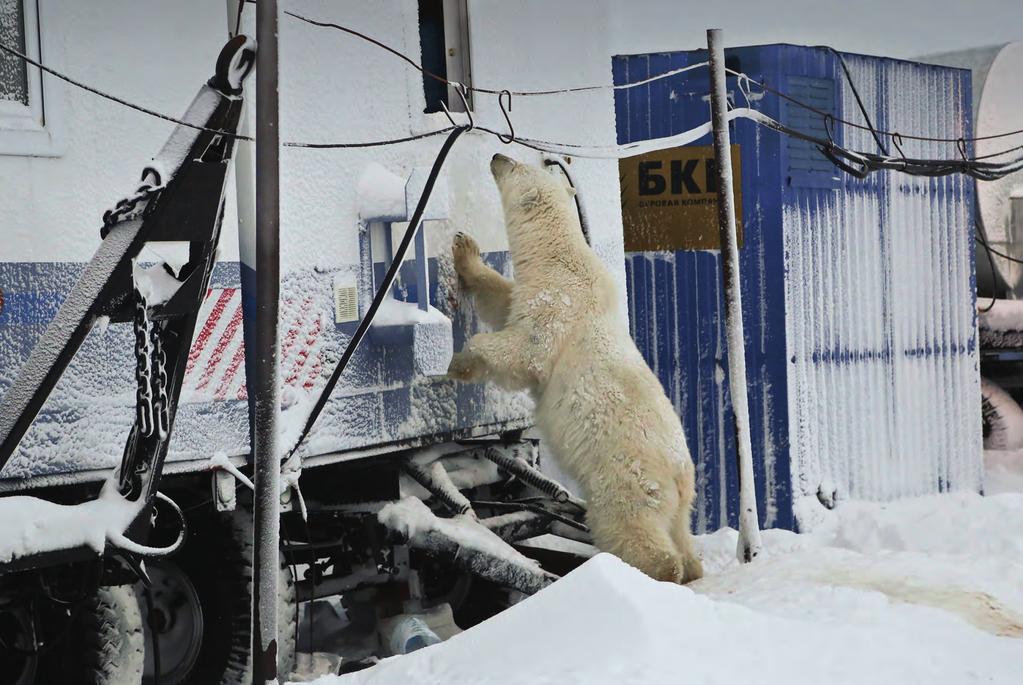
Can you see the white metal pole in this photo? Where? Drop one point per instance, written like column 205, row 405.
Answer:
column 266, row 448
column 749, row 526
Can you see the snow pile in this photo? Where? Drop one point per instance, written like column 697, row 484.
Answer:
column 29, row 525
column 925, row 590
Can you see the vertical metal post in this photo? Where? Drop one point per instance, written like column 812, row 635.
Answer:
column 749, row 526
column 266, row 451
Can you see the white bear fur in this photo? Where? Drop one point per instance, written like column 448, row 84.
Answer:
column 559, row 334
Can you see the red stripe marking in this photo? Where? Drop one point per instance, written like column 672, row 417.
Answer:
column 296, row 328
column 314, row 371
column 303, row 355
column 218, row 351
column 207, row 328
column 230, row 373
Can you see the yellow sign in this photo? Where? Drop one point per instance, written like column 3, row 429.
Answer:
column 669, row 199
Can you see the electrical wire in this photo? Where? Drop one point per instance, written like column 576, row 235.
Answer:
column 810, row 108
column 479, row 89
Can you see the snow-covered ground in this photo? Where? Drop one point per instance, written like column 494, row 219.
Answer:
column 926, row 590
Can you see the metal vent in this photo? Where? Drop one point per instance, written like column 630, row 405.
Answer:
column 806, row 165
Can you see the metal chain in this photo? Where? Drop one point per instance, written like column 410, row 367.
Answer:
column 143, row 369
column 126, row 207
column 161, row 408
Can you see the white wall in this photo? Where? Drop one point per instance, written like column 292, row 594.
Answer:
column 157, row 53
column 334, row 87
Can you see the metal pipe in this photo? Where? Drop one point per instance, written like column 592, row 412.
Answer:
column 266, row 451
column 749, row 527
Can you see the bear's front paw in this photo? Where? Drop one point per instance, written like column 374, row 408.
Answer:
column 465, row 366
column 467, row 255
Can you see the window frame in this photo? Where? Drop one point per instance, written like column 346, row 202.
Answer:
column 456, row 14
column 34, row 130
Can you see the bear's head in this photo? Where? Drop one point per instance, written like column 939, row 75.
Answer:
column 530, row 193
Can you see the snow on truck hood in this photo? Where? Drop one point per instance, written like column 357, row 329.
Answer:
column 926, row 590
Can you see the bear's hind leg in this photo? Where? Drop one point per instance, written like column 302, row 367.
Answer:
column 682, row 535
column 641, row 542
column 490, row 290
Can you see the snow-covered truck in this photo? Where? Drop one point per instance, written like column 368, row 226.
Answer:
column 125, row 518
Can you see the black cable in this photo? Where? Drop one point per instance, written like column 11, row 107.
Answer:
column 375, row 143
column 180, row 122
column 991, row 265
column 476, row 89
column 992, row 250
column 859, row 101
column 238, row 19
column 382, row 290
column 114, row 98
column 810, row 108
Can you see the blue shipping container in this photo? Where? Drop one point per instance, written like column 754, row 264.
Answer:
column 858, row 295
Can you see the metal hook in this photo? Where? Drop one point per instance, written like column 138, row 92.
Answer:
column 461, row 91
column 510, row 138
column 740, row 80
column 897, row 142
column 829, row 128
column 961, row 146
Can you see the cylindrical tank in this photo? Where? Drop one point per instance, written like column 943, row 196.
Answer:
column 997, row 108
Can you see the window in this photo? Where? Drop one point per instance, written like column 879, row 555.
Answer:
column 444, row 41
column 27, row 103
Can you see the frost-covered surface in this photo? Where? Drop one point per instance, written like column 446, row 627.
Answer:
column 29, row 525
column 381, row 398
column 883, row 387
column 381, row 194
column 926, row 590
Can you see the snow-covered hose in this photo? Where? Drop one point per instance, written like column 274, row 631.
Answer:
column 122, row 542
column 527, row 474
column 442, row 488
column 503, row 571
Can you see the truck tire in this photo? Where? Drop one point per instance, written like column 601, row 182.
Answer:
column 214, row 569
column 1002, row 418
column 104, row 645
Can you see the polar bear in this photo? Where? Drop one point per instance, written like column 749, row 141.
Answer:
column 559, row 334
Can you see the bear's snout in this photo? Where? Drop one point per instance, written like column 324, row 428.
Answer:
column 500, row 164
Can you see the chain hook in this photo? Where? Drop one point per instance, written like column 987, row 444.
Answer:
column 462, row 91
column 510, row 137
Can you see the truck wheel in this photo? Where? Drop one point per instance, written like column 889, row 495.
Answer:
column 1002, row 418
column 202, row 606
column 103, row 645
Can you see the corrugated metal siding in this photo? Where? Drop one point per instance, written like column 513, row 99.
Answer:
column 676, row 305
column 884, row 382
column 858, row 295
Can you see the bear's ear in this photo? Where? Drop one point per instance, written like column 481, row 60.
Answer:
column 530, row 198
